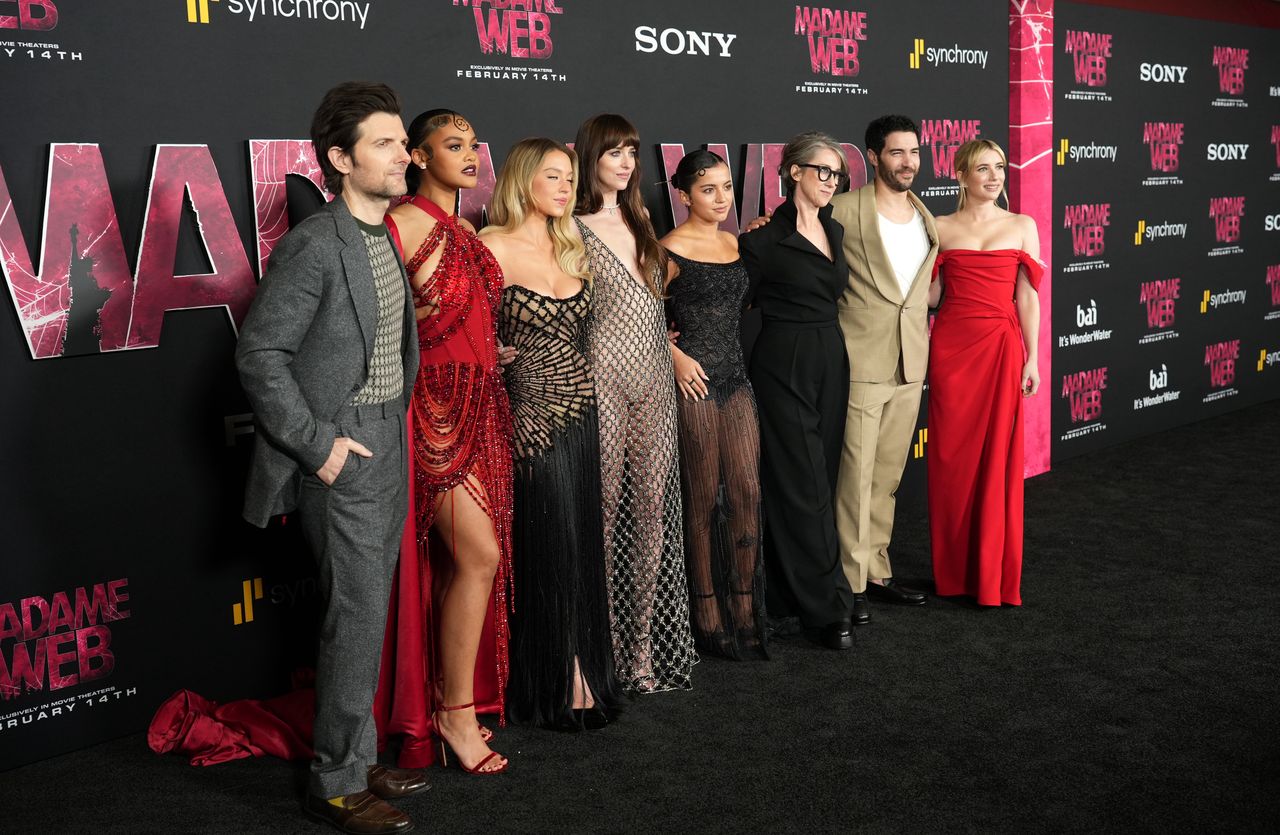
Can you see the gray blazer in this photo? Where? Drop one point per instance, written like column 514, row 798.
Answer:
column 304, row 352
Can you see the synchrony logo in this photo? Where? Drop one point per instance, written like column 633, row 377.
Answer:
column 1220, row 360
column 1227, row 214
column 1212, row 301
column 1231, row 63
column 1266, row 358
column 1089, row 53
column 940, row 138
column 833, row 37
column 1159, row 300
column 1088, row 223
column 1164, row 142
column 1148, row 232
column 1158, row 385
column 332, row 11
column 683, row 42
column 921, row 54
column 1162, row 73
column 33, row 19
column 513, row 29
column 1089, row 151
column 1087, row 330
column 1083, row 392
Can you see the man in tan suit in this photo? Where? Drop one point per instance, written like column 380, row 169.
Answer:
column 890, row 243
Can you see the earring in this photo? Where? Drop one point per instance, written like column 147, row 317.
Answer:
column 423, row 166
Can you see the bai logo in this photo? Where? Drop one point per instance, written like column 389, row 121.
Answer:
column 1087, row 316
column 1220, row 358
column 1157, row 380
column 516, row 28
column 1159, row 300
column 1089, row 51
column 1087, row 322
column 1088, row 223
column 1162, row 73
column 1231, row 63
column 942, row 137
column 1227, row 214
column 682, row 42
column 922, row 54
column 1091, row 151
column 1083, row 393
column 32, row 15
column 833, row 36
column 1164, row 140
column 1150, row 232
column 1158, row 385
column 1224, row 152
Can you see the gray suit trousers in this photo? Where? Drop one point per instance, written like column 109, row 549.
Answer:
column 354, row 528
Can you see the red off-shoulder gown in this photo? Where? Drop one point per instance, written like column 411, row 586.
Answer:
column 975, row 425
column 460, row 423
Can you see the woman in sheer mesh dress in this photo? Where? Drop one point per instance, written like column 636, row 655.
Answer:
column 719, row 435
column 639, row 460
column 562, row 672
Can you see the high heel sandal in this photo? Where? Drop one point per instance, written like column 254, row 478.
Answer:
column 485, row 733
column 445, row 746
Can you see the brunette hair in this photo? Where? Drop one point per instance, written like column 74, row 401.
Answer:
column 420, row 128
column 967, row 157
column 693, row 166
column 803, row 147
column 513, row 195
column 336, row 123
column 879, row 129
column 597, row 136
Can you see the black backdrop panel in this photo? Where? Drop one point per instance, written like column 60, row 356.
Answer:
column 124, row 467
column 1166, row 192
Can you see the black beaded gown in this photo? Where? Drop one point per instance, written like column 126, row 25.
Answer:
column 720, row 463
column 639, row 477
column 562, row 608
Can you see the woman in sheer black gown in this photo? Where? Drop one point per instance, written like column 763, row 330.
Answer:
column 719, row 433
column 561, row 654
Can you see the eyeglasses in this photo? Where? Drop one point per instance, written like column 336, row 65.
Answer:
column 826, row 172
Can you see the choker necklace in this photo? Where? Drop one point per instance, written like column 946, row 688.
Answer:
column 610, row 209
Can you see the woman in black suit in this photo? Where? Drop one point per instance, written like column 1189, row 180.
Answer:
column 801, row 376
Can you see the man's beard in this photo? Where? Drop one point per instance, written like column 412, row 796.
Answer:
column 893, row 182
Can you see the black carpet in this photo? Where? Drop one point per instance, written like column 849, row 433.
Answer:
column 1135, row 690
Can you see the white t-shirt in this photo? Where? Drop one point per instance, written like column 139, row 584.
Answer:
column 907, row 245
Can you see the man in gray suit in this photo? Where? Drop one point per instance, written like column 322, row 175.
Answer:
column 327, row 356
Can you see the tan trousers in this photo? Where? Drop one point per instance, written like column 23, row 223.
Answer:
column 877, row 435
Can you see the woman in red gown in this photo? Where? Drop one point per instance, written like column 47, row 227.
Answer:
column 982, row 362
column 446, row 649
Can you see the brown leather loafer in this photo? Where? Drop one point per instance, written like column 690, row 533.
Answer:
column 392, row 783
column 360, row 814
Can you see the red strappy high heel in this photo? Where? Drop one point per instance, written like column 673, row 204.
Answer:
column 445, row 746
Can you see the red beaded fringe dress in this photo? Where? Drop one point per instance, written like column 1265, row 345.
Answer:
column 460, row 422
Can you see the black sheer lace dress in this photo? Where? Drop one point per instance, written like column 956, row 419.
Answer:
column 561, row 610
column 720, row 463
column 639, row 477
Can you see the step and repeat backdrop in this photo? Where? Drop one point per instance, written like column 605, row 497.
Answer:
column 151, row 157
column 1167, row 228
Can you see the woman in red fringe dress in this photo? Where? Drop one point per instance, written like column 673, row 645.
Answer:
column 982, row 363
column 445, row 656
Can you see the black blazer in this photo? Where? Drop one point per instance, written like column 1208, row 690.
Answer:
column 791, row 280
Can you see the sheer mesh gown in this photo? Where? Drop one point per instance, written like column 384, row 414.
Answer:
column 460, row 434
column 639, row 477
column 720, row 463
column 557, row 531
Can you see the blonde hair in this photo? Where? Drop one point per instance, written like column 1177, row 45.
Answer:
column 514, row 193
column 967, row 157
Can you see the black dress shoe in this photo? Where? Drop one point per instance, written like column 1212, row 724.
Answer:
column 393, row 783
column 891, row 592
column 861, row 610
column 838, row 635
column 360, row 814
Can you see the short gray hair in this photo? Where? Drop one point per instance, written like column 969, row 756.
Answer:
column 803, row 147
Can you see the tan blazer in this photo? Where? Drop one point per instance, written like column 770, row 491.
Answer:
column 879, row 324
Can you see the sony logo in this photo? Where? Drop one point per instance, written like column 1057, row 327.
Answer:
column 1162, row 73
column 1223, row 151
column 681, row 42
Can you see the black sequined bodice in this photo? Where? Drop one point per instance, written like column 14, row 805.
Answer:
column 705, row 302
